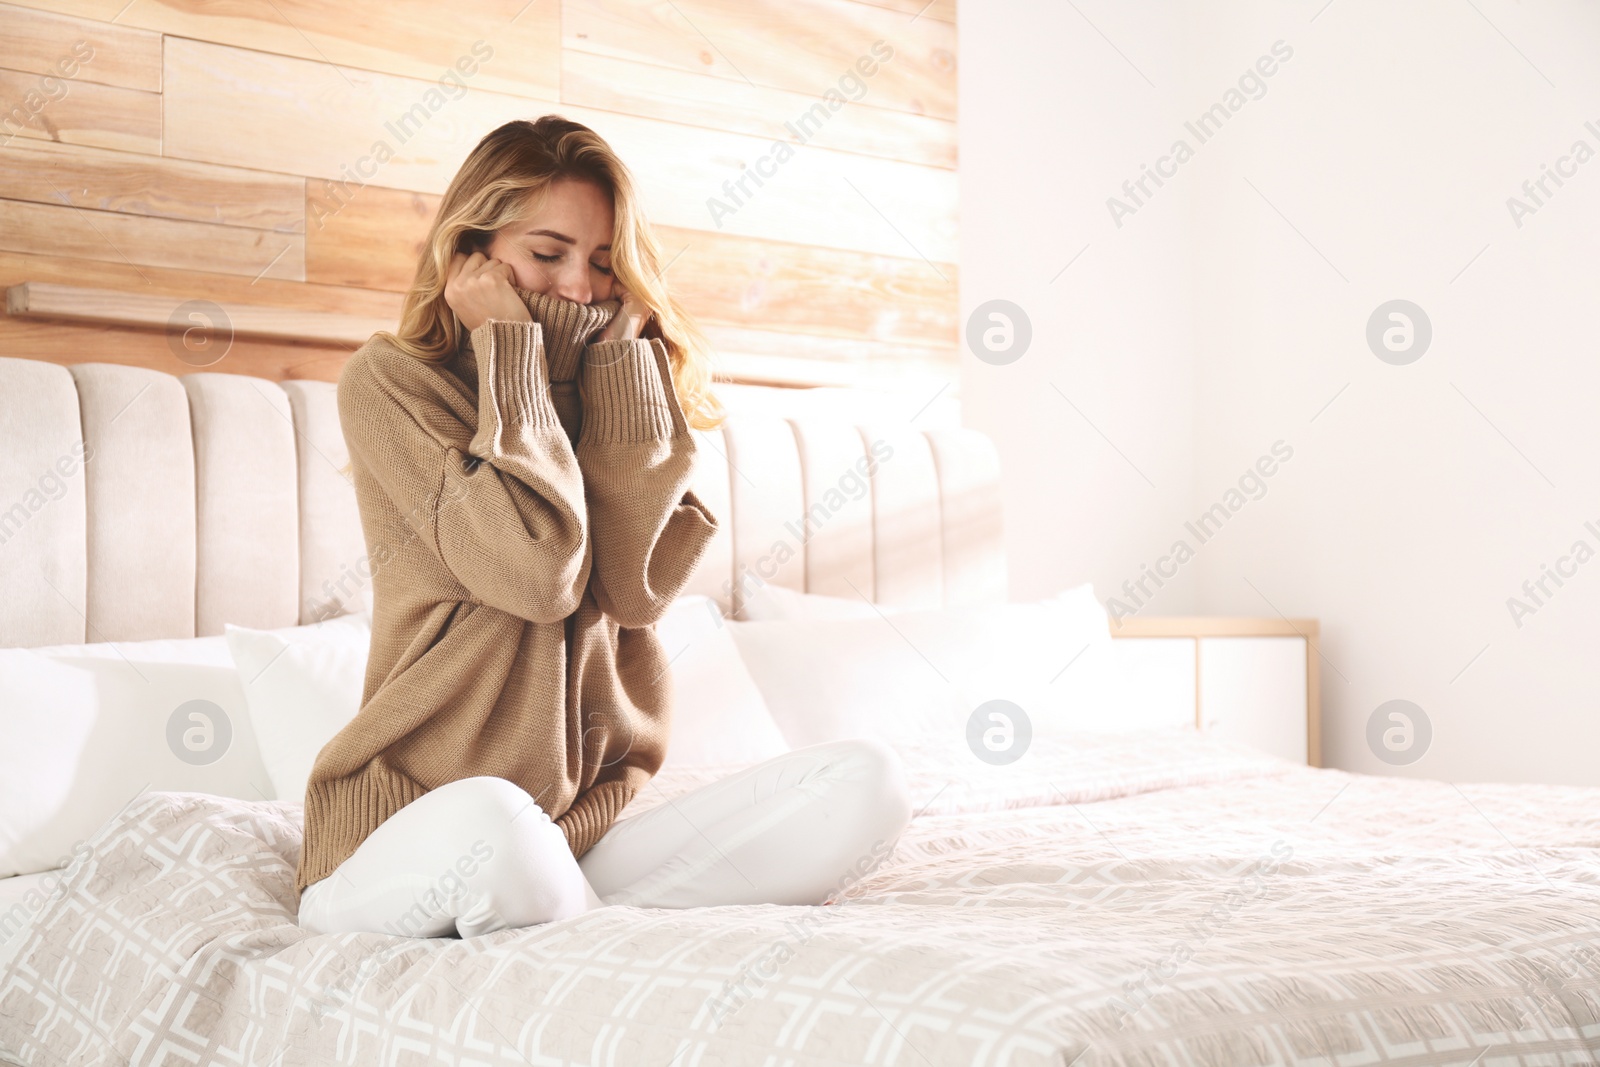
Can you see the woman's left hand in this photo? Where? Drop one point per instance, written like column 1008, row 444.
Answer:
column 629, row 320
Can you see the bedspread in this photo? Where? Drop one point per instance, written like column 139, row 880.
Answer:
column 1139, row 899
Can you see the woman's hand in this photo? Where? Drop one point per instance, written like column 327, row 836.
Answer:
column 628, row 321
column 479, row 289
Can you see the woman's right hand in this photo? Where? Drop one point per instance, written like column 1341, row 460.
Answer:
column 479, row 289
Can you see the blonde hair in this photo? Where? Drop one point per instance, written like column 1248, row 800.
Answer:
column 510, row 168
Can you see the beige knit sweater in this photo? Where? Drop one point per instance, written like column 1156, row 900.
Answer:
column 522, row 546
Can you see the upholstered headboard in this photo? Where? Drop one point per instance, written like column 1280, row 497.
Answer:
column 137, row 505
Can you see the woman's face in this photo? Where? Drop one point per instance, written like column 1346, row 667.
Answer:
column 563, row 250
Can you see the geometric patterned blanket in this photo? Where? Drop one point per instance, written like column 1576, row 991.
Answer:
column 1134, row 900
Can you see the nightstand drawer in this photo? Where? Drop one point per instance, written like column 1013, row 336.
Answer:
column 1253, row 691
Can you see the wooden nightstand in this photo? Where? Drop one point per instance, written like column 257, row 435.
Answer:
column 1254, row 681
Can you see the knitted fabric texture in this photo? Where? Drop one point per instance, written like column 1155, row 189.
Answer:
column 521, row 550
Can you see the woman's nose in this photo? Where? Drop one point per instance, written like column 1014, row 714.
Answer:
column 578, row 290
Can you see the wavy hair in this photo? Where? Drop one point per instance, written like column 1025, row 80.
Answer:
column 512, row 168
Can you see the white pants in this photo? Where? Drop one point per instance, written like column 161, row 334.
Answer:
column 478, row 854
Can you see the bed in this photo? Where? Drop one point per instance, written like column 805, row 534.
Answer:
column 1141, row 895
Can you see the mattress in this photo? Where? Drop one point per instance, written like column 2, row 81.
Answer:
column 1144, row 899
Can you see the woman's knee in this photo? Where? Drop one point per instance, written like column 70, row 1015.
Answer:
column 870, row 759
column 875, row 763
column 873, row 782
column 492, row 824
column 874, row 753
column 488, row 800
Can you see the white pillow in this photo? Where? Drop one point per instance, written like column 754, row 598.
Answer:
column 771, row 603
column 84, row 729
column 919, row 676
column 302, row 685
column 718, row 715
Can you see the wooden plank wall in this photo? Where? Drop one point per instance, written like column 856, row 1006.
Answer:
column 231, row 152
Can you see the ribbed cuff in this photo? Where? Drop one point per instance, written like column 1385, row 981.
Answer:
column 592, row 814
column 628, row 394
column 341, row 812
column 567, row 328
column 513, row 385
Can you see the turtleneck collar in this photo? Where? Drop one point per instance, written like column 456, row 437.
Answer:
column 567, row 328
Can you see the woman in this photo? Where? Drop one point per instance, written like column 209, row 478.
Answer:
column 522, row 457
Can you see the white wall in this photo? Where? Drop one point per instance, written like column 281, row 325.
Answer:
column 1094, row 422
column 1377, row 165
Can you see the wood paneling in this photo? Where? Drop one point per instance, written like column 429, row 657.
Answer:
column 66, row 342
column 186, row 320
column 416, row 38
column 632, row 88
column 74, row 112
column 136, row 184
column 61, row 342
column 370, row 239
column 259, row 155
column 802, row 45
column 228, row 105
column 373, row 241
column 83, row 49
column 141, row 240
column 816, row 197
column 16, row 268
column 819, row 292
column 221, row 108
column 943, row 10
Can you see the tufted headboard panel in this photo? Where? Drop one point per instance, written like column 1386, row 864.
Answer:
column 137, row 505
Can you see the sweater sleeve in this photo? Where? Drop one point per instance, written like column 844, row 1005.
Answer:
column 647, row 527
column 594, row 812
column 506, row 516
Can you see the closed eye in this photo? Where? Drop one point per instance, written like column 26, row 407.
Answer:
column 554, row 259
